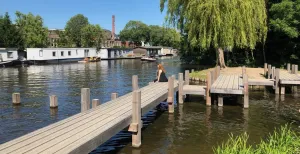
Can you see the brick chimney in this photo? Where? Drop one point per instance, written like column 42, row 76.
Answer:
column 113, row 28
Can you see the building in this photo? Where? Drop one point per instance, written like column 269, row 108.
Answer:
column 153, row 51
column 8, row 54
column 75, row 54
column 53, row 37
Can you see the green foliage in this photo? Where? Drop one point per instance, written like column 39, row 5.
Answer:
column 282, row 141
column 135, row 31
column 285, row 17
column 9, row 34
column 219, row 23
column 32, row 30
column 73, row 28
column 92, row 36
column 63, row 40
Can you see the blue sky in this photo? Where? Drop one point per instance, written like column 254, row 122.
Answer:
column 57, row 12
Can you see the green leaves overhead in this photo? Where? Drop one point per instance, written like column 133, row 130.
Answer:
column 219, row 23
column 9, row 34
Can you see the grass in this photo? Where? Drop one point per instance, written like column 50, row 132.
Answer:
column 200, row 74
column 282, row 141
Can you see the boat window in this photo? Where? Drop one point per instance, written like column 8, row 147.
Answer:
column 62, row 53
column 41, row 53
column 69, row 53
column 10, row 55
column 53, row 53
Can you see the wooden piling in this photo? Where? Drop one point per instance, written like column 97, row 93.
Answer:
column 170, row 99
column 269, row 71
column 114, row 96
column 135, row 83
column 277, row 81
column 273, row 73
column 220, row 100
column 265, row 69
column 95, row 103
column 136, row 125
column 293, row 69
column 192, row 70
column 16, row 99
column 296, row 69
column 187, row 77
column 246, row 91
column 288, row 67
column 85, row 99
column 208, row 85
column 53, row 101
column 180, row 88
column 243, row 70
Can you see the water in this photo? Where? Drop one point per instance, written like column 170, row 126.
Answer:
column 193, row 128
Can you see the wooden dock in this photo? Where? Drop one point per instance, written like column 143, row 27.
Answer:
column 85, row 131
column 228, row 84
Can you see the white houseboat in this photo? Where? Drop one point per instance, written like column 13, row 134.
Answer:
column 50, row 55
column 8, row 56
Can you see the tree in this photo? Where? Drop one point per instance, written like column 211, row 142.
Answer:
column 63, row 40
column 9, row 35
column 135, row 31
column 32, row 30
column 220, row 24
column 73, row 28
column 92, row 36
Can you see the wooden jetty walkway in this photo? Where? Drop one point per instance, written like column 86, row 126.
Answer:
column 87, row 130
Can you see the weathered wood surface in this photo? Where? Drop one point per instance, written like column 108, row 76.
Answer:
column 85, row 131
column 228, row 84
column 261, row 82
column 288, row 78
column 194, row 90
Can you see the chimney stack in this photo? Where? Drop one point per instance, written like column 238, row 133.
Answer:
column 113, row 28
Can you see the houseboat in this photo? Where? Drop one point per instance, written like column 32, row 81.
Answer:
column 12, row 57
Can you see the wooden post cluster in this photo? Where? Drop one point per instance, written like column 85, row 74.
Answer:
column 265, row 69
column 85, row 99
column 246, row 91
column 114, row 96
column 187, row 77
column 53, row 101
column 135, row 82
column 16, row 99
column 170, row 99
column 208, row 85
column 136, row 125
column 180, row 88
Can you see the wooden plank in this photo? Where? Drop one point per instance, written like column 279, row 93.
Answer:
column 236, row 82
column 230, row 83
column 260, row 82
column 194, row 90
column 225, row 82
column 69, row 121
column 215, row 84
column 226, row 91
column 290, row 82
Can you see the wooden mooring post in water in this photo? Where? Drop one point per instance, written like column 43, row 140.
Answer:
column 16, row 99
column 95, row 103
column 53, row 101
column 170, row 99
column 114, row 96
column 180, row 88
column 136, row 126
column 85, row 99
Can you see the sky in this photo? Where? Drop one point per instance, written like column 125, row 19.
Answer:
column 56, row 13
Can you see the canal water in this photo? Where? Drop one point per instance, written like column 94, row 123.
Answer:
column 193, row 128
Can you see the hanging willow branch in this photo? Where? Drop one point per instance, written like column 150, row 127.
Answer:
column 219, row 23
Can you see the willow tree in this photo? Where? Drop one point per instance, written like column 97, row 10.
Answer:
column 219, row 24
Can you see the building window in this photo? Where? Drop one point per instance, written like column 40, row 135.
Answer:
column 62, row 53
column 53, row 53
column 41, row 53
column 69, row 53
column 10, row 55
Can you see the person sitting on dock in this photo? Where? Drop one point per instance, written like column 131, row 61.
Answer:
column 161, row 74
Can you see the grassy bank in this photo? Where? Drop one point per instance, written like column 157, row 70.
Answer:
column 282, row 141
column 200, row 74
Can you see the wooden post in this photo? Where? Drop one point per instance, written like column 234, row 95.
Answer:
column 135, row 83
column 218, row 71
column 174, row 77
column 114, row 96
column 265, row 69
column 273, row 73
column 208, row 84
column 136, row 125
column 53, row 101
column 296, row 69
column 180, row 88
column 277, row 81
column 288, row 67
column 16, row 99
column 170, row 99
column 187, row 77
column 192, row 70
column 246, row 91
column 282, row 89
column 269, row 71
column 220, row 101
column 85, row 99
column 95, row 103
column 293, row 69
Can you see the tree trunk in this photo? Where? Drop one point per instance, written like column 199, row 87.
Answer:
column 221, row 60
